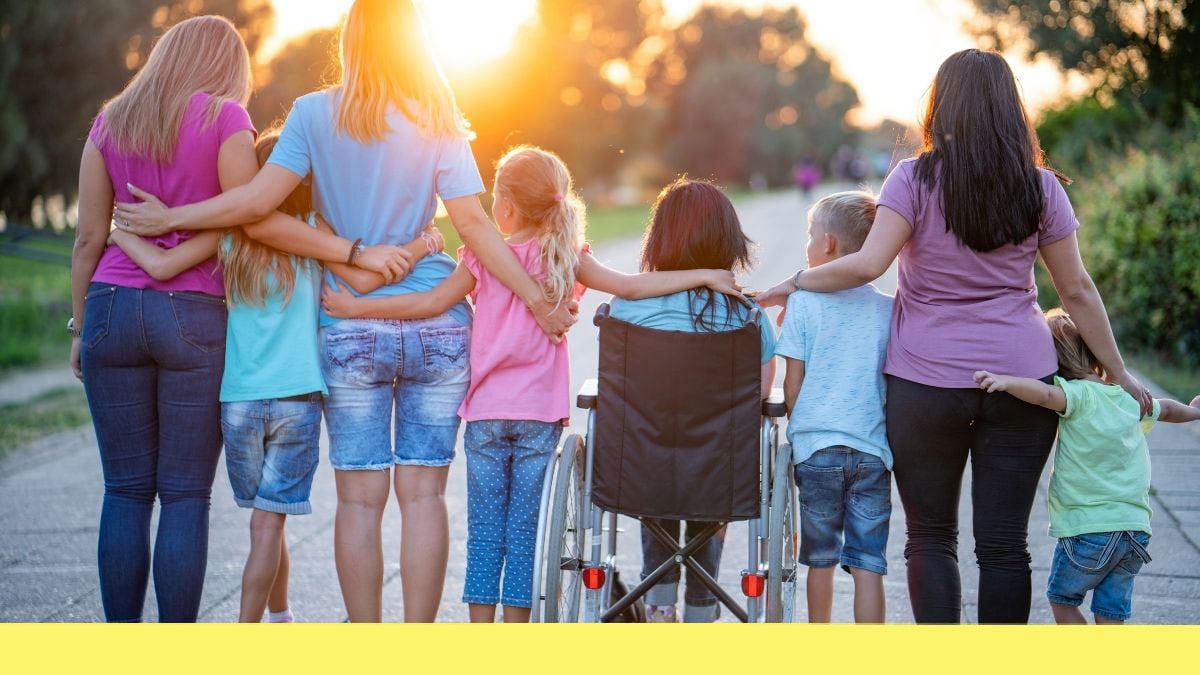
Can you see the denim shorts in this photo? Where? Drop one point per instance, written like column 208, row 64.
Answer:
column 419, row 369
column 844, row 494
column 1104, row 563
column 272, row 449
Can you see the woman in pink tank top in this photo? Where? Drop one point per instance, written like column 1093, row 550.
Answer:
column 967, row 217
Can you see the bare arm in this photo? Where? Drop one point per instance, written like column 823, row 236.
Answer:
column 340, row 303
column 91, row 235
column 888, row 235
column 594, row 274
column 161, row 263
column 1176, row 412
column 365, row 281
column 1082, row 301
column 1025, row 388
column 481, row 236
column 768, row 378
column 793, row 380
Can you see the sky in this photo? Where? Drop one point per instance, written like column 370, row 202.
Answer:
column 889, row 49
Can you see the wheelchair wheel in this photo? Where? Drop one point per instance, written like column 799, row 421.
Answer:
column 565, row 540
column 781, row 555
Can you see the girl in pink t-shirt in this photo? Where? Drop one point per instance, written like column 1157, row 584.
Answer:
column 518, row 398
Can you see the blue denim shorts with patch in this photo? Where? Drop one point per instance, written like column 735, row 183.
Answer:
column 1104, row 563
column 272, row 449
column 419, row 369
column 845, row 509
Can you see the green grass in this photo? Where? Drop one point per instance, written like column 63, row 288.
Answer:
column 1180, row 382
column 59, row 410
column 35, row 301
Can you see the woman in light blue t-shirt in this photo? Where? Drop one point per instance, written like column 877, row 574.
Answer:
column 693, row 226
column 382, row 146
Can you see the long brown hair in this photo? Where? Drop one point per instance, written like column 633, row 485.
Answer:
column 200, row 54
column 539, row 185
column 694, row 226
column 254, row 270
column 387, row 61
column 981, row 152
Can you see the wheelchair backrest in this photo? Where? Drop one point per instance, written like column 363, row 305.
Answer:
column 677, row 421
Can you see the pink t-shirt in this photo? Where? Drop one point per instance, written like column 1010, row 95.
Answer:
column 190, row 177
column 517, row 373
column 957, row 310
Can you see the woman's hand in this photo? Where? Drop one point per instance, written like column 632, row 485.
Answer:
column 723, row 281
column 393, row 262
column 1135, row 389
column 434, row 236
column 338, row 302
column 76, row 367
column 777, row 295
column 149, row 218
column 555, row 319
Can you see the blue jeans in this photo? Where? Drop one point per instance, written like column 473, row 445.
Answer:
column 844, row 494
column 272, row 449
column 418, row 369
column 666, row 591
column 152, row 364
column 506, row 462
column 1104, row 563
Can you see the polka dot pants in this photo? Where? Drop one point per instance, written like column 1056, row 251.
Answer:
column 506, row 462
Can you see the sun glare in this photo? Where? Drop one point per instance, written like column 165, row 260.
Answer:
column 465, row 33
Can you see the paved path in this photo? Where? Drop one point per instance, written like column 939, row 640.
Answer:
column 29, row 385
column 50, row 499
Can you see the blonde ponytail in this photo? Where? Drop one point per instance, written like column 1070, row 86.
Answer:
column 539, row 185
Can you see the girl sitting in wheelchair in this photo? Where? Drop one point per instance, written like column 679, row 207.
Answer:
column 519, row 395
column 693, row 225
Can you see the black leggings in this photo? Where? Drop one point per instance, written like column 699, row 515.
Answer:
column 932, row 432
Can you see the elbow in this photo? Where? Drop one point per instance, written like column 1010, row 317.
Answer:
column 160, row 273
column 1077, row 291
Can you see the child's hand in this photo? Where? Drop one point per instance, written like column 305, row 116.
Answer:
column 991, row 383
column 723, row 281
column 433, row 237
column 338, row 302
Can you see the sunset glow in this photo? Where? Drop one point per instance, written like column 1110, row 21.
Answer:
column 888, row 50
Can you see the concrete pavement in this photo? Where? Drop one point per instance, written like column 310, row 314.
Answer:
column 50, row 500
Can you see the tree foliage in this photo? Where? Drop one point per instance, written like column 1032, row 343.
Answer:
column 1147, row 48
column 59, row 61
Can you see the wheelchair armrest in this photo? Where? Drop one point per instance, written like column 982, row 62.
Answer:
column 601, row 314
column 774, row 405
column 586, row 399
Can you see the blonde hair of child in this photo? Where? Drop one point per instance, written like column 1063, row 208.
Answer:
column 540, row 187
column 1075, row 360
column 386, row 62
column 848, row 215
column 200, row 54
column 249, row 264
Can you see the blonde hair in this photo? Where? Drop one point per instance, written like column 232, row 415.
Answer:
column 540, row 187
column 247, row 262
column 849, row 215
column 200, row 54
column 387, row 61
column 1075, row 360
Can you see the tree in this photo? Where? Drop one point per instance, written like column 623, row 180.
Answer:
column 1149, row 49
column 60, row 61
column 303, row 65
column 745, row 93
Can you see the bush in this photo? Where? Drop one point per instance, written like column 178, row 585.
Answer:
column 1141, row 242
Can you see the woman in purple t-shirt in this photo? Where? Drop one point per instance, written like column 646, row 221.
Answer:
column 967, row 217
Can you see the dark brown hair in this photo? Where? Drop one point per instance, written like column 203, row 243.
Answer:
column 693, row 226
column 981, row 152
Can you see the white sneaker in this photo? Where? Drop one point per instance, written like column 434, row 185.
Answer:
column 660, row 614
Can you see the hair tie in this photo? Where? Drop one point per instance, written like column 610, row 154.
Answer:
column 558, row 196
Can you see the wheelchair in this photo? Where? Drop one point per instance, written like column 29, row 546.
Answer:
column 676, row 429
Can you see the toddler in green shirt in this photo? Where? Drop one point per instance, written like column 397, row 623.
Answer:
column 1099, row 494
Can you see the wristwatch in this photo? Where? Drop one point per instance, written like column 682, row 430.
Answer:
column 72, row 330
